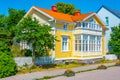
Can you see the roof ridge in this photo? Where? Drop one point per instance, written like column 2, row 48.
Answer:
column 113, row 11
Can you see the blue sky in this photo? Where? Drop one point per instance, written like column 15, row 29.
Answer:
column 84, row 5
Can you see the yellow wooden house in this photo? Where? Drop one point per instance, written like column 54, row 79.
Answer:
column 80, row 36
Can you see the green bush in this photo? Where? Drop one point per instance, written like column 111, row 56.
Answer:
column 7, row 65
column 69, row 73
column 26, row 52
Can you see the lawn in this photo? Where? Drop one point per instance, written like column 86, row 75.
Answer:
column 35, row 68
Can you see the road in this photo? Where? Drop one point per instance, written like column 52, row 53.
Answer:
column 112, row 73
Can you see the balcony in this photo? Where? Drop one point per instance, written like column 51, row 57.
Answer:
column 89, row 26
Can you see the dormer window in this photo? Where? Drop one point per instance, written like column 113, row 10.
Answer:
column 65, row 26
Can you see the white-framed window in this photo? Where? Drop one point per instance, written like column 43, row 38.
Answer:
column 107, row 21
column 64, row 43
column 87, row 43
column 77, row 42
column 92, row 43
column 65, row 26
column 98, row 43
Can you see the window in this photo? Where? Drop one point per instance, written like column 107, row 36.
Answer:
column 92, row 43
column 77, row 42
column 107, row 21
column 65, row 43
column 87, row 43
column 65, row 26
column 92, row 20
column 98, row 43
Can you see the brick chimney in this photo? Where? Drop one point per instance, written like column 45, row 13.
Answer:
column 54, row 8
column 77, row 13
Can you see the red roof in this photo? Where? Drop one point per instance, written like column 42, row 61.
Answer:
column 66, row 17
column 62, row 16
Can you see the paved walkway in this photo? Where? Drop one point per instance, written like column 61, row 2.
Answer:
column 112, row 73
column 41, row 74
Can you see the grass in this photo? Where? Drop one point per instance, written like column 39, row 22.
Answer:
column 58, row 66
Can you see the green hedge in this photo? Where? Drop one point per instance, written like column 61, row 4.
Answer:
column 8, row 66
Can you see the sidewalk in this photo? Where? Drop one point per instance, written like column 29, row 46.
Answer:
column 41, row 74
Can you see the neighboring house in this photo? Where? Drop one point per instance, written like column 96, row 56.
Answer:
column 111, row 18
column 80, row 36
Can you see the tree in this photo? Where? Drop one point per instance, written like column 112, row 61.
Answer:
column 36, row 35
column 66, row 8
column 14, row 16
column 115, row 40
column 8, row 23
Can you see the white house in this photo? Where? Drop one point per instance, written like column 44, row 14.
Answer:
column 111, row 18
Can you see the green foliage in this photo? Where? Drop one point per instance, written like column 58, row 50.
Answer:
column 115, row 40
column 7, row 65
column 66, row 8
column 47, row 77
column 8, row 23
column 4, row 48
column 14, row 16
column 16, row 52
column 69, row 73
column 36, row 35
column 26, row 52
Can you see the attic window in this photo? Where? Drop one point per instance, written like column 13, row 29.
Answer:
column 107, row 21
column 92, row 20
column 65, row 26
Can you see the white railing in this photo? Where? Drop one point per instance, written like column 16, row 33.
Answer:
column 89, row 25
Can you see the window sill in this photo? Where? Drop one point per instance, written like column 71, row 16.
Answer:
column 65, row 51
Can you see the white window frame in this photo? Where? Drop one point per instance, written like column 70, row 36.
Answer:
column 92, row 43
column 65, row 48
column 77, row 43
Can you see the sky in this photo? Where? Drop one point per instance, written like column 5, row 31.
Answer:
column 84, row 5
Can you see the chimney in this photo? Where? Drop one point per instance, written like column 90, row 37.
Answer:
column 76, row 13
column 54, row 8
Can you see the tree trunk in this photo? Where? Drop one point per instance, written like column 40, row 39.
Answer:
column 33, row 55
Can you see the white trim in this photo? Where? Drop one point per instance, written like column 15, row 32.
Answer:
column 33, row 7
column 91, row 16
column 67, row 43
column 88, row 17
column 77, row 58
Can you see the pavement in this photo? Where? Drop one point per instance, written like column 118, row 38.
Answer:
column 41, row 74
column 112, row 73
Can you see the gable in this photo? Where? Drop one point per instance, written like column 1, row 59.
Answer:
column 96, row 19
column 110, row 10
column 39, row 16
